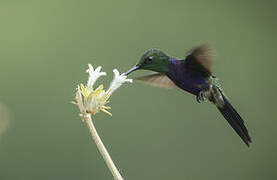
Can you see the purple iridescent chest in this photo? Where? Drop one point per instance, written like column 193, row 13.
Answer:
column 185, row 78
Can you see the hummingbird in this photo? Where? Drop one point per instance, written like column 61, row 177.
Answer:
column 192, row 74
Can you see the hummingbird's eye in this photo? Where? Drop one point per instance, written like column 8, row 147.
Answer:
column 149, row 59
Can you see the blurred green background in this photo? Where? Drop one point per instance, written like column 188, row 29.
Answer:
column 45, row 47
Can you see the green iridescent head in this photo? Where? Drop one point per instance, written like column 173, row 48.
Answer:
column 153, row 60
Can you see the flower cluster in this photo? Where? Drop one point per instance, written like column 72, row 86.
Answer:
column 90, row 100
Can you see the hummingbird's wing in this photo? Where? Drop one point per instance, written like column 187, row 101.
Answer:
column 158, row 80
column 200, row 59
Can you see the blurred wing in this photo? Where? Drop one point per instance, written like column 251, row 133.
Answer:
column 200, row 59
column 158, row 80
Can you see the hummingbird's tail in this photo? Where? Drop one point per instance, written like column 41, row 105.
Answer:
column 234, row 119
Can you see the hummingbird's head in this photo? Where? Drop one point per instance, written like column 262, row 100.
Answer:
column 153, row 60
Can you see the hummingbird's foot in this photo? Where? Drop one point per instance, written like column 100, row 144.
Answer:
column 200, row 97
column 204, row 94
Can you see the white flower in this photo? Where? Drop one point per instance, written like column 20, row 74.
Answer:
column 92, row 101
column 94, row 75
column 117, row 81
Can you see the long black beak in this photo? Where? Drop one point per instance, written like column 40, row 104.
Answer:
column 131, row 70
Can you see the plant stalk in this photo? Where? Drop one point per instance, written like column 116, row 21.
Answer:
column 101, row 147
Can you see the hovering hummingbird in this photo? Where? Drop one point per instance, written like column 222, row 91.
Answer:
column 192, row 74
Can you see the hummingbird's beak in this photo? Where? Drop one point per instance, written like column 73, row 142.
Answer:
column 131, row 70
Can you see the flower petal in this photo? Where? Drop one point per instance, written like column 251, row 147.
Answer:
column 94, row 75
column 106, row 107
column 117, row 81
column 105, row 111
column 79, row 99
